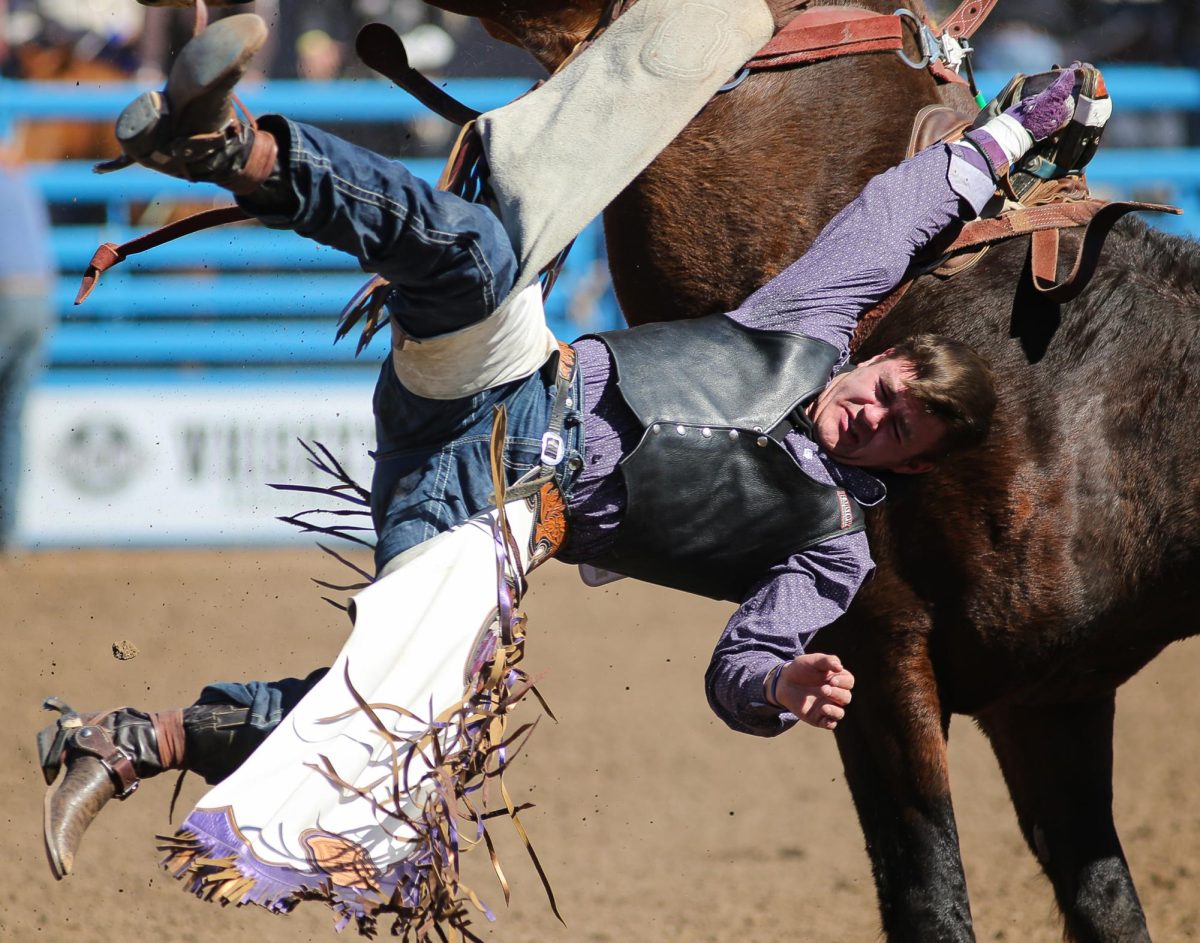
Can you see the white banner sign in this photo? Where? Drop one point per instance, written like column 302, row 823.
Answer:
column 183, row 463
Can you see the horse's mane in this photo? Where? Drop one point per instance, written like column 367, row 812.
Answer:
column 1173, row 261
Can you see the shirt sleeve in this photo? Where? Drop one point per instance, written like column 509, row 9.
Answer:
column 775, row 623
column 864, row 251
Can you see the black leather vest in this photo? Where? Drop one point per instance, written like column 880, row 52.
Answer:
column 714, row 498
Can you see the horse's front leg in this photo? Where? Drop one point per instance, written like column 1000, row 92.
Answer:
column 893, row 746
column 1057, row 761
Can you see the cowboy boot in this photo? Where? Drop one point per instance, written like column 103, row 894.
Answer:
column 106, row 755
column 189, row 129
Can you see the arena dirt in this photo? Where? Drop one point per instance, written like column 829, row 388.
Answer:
column 654, row 822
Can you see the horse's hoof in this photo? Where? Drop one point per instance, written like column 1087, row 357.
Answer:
column 201, row 82
column 70, row 807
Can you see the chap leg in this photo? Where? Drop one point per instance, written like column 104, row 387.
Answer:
column 1057, row 761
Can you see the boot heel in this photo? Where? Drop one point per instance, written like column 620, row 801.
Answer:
column 142, row 127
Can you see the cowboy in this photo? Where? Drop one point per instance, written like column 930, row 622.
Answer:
column 743, row 480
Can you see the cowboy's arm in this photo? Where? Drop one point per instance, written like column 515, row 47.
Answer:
column 775, row 623
column 864, row 251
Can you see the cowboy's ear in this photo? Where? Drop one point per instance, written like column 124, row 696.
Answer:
column 878, row 357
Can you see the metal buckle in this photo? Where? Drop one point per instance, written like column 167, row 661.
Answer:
column 924, row 36
column 553, row 448
column 125, row 794
column 944, row 48
column 955, row 51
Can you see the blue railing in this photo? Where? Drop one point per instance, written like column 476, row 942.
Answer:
column 198, row 301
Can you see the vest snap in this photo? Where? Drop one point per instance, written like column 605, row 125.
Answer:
column 681, row 430
column 656, row 428
column 762, row 442
column 706, row 432
column 733, row 434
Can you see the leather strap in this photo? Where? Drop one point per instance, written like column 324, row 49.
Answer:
column 970, row 14
column 95, row 741
column 829, row 33
column 1044, row 250
column 1028, row 220
column 381, row 48
column 820, row 33
column 936, row 124
column 260, row 163
column 545, row 472
column 1042, row 224
column 111, row 254
column 870, row 320
column 168, row 732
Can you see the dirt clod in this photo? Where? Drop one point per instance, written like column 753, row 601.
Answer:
column 124, row 650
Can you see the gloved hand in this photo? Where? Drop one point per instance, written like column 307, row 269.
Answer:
column 1008, row 136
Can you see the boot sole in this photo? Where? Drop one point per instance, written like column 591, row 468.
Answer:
column 140, row 128
column 209, row 66
column 58, row 867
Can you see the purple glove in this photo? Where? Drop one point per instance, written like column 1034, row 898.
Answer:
column 1007, row 137
column 1050, row 110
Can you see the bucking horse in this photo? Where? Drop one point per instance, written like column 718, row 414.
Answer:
column 1020, row 584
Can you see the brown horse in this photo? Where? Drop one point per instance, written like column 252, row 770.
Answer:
column 1021, row 584
column 46, row 140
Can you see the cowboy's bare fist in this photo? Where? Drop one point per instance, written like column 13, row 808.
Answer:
column 816, row 688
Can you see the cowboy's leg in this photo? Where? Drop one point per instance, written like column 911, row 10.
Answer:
column 110, row 752
column 448, row 258
column 608, row 113
column 450, row 261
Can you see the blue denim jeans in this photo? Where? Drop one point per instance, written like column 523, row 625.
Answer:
column 451, row 262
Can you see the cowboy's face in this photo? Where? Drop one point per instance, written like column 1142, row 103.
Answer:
column 866, row 417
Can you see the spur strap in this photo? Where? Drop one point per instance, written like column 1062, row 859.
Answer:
column 94, row 741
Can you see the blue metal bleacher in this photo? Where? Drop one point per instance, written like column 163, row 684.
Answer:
column 217, row 300
column 223, row 298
